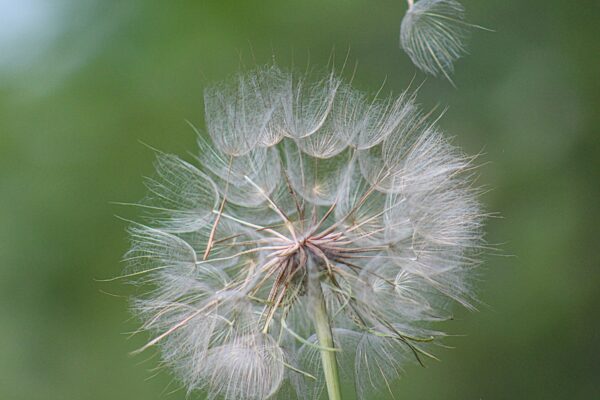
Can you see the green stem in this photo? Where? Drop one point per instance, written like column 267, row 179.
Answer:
column 324, row 334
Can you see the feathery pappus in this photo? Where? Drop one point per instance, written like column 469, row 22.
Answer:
column 434, row 34
column 316, row 238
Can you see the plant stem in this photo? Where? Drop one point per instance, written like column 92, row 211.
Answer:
column 324, row 334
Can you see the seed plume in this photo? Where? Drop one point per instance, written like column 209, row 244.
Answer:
column 434, row 34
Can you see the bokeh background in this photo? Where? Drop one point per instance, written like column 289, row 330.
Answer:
column 83, row 82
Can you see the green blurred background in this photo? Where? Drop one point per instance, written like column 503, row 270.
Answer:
column 82, row 82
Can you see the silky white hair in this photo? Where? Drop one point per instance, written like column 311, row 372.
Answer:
column 296, row 169
column 434, row 34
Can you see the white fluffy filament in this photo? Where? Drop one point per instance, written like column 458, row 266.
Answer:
column 308, row 193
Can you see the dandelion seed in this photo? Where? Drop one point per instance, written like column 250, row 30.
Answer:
column 434, row 34
column 317, row 241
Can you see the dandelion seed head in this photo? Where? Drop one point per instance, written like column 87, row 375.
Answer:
column 299, row 180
